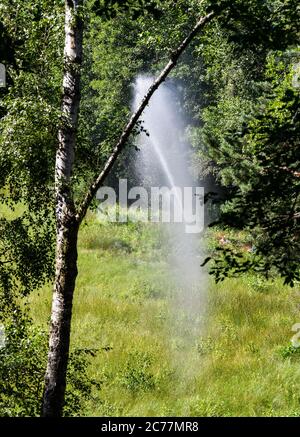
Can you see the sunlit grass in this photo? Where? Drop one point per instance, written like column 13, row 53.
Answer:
column 234, row 366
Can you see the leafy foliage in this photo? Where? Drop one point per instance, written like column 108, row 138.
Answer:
column 266, row 194
column 22, row 370
column 249, row 137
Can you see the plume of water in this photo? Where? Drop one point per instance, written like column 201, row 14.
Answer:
column 163, row 160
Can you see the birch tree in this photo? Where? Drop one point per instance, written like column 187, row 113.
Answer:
column 66, row 223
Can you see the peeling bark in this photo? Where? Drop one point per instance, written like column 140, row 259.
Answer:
column 67, row 225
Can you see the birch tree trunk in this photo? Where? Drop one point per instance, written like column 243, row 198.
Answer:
column 67, row 225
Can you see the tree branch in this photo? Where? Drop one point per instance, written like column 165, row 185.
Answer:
column 132, row 122
column 293, row 172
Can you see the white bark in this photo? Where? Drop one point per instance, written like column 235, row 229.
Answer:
column 67, row 226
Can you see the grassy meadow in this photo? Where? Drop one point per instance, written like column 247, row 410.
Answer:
column 238, row 364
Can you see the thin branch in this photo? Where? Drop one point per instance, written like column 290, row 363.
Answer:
column 293, row 172
column 132, row 122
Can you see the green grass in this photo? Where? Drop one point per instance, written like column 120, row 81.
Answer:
column 234, row 365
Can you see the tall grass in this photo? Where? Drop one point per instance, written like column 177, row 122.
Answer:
column 235, row 367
